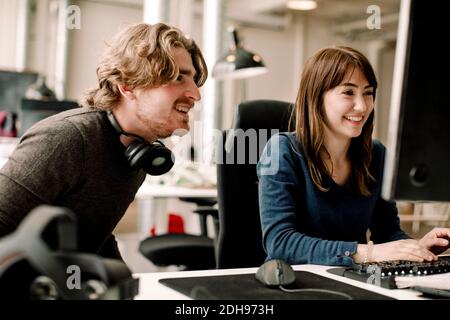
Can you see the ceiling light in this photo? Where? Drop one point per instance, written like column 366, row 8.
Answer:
column 301, row 4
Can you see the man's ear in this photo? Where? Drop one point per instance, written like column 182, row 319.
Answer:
column 126, row 91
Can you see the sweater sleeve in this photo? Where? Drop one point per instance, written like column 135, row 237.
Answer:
column 279, row 190
column 45, row 165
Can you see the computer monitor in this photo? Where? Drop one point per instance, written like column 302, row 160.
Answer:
column 13, row 86
column 417, row 165
column 32, row 111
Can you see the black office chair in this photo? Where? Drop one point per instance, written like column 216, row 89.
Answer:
column 240, row 239
column 191, row 252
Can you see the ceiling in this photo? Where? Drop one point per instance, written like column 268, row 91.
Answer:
column 329, row 9
column 339, row 10
column 346, row 16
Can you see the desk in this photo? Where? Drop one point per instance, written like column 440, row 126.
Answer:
column 151, row 289
column 7, row 146
column 149, row 206
column 151, row 191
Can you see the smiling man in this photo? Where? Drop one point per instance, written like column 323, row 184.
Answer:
column 83, row 159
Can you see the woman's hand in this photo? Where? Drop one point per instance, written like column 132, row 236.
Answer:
column 411, row 250
column 437, row 240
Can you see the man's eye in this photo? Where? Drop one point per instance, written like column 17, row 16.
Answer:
column 348, row 92
column 369, row 93
column 180, row 77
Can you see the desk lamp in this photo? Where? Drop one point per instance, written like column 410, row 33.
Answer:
column 40, row 91
column 238, row 63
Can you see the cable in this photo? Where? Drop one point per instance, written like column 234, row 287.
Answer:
column 337, row 293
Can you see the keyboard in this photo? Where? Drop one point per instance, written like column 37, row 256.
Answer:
column 383, row 273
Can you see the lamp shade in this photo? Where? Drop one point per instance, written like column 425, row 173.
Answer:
column 238, row 63
column 40, row 91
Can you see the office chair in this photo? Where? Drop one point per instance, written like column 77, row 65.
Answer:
column 40, row 261
column 192, row 252
column 239, row 242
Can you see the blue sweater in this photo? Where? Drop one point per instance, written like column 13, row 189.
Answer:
column 301, row 224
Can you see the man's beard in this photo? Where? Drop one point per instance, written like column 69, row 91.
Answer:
column 152, row 128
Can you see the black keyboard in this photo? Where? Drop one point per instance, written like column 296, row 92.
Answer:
column 383, row 273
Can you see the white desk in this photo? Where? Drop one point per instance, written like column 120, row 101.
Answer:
column 151, row 289
column 149, row 205
column 7, row 146
column 147, row 191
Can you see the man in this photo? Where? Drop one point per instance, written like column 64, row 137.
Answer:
column 148, row 79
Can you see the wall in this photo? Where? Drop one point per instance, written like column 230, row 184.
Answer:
column 42, row 32
column 385, row 74
column 283, row 47
column 286, row 50
column 99, row 22
column 8, row 28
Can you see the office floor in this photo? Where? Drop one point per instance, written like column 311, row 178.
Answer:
column 128, row 239
column 128, row 247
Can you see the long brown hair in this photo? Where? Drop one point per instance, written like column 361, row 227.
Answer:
column 139, row 56
column 323, row 71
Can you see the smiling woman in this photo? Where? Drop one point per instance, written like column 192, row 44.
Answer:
column 326, row 194
column 347, row 107
column 344, row 80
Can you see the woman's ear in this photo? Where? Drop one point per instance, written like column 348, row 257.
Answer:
column 126, row 91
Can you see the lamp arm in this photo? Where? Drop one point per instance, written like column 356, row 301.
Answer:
column 234, row 38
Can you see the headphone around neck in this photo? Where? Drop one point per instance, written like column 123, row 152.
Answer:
column 155, row 159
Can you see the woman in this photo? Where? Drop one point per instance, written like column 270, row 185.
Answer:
column 318, row 207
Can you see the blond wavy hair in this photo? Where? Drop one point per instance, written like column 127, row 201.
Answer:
column 141, row 55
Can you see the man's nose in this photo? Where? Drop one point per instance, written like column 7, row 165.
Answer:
column 193, row 92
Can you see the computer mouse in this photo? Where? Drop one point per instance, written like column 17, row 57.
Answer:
column 275, row 272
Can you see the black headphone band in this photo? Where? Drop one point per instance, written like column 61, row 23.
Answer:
column 114, row 122
column 119, row 129
column 140, row 139
column 160, row 142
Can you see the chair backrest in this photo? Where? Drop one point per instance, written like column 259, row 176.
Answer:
column 239, row 243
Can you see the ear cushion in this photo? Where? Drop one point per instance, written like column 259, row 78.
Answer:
column 154, row 159
column 135, row 153
column 158, row 161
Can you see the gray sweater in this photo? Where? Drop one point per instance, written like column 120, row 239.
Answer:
column 73, row 159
